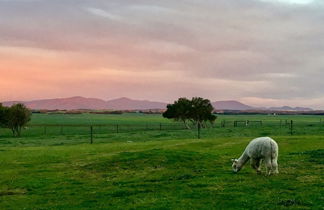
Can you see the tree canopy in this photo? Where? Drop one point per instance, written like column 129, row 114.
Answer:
column 197, row 110
column 14, row 117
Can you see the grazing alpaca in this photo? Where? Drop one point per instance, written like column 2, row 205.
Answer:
column 263, row 148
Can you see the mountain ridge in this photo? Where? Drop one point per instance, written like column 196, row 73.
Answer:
column 124, row 103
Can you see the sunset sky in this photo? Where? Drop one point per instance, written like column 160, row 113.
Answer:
column 260, row 52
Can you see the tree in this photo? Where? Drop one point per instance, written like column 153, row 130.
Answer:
column 197, row 110
column 18, row 116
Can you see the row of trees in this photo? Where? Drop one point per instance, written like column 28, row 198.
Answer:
column 197, row 111
column 14, row 117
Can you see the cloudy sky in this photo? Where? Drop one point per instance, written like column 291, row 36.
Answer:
column 261, row 52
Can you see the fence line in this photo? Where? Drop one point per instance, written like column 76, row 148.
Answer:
column 104, row 128
column 224, row 127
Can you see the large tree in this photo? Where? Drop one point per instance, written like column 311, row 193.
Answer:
column 197, row 110
column 18, row 116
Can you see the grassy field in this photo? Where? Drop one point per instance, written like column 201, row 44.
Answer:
column 159, row 169
column 61, row 129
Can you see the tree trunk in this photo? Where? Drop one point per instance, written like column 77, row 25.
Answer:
column 199, row 127
column 18, row 131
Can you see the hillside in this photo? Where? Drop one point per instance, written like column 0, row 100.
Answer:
column 90, row 103
column 230, row 105
column 124, row 103
column 63, row 103
column 130, row 104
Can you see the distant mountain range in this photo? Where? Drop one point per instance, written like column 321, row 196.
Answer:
column 79, row 102
column 231, row 105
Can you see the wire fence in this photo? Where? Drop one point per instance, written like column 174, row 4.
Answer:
column 84, row 129
column 275, row 127
column 222, row 128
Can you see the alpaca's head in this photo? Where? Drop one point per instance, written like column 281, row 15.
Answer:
column 236, row 167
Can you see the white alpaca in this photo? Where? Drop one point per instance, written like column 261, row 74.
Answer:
column 263, row 148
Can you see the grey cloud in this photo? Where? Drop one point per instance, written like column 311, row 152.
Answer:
column 234, row 40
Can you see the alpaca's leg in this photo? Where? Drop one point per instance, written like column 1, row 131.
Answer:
column 258, row 164
column 268, row 165
column 255, row 163
column 274, row 164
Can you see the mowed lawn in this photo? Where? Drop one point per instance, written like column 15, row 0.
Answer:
column 160, row 174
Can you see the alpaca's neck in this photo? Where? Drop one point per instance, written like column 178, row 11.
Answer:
column 243, row 159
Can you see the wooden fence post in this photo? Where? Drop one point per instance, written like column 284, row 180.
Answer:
column 291, row 127
column 117, row 128
column 199, row 126
column 91, row 134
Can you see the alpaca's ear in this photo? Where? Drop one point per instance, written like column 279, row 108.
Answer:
column 233, row 160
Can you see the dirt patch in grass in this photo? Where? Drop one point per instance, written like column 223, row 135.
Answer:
column 11, row 192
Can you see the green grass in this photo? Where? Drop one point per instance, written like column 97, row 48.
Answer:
column 88, row 119
column 129, row 118
column 170, row 174
column 159, row 169
column 135, row 127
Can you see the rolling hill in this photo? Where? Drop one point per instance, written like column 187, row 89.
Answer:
column 78, row 102
column 230, row 105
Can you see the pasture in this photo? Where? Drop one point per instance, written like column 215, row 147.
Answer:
column 158, row 169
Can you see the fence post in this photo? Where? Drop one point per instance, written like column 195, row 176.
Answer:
column 291, row 127
column 91, row 134
column 199, row 130
column 117, row 128
column 160, row 126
